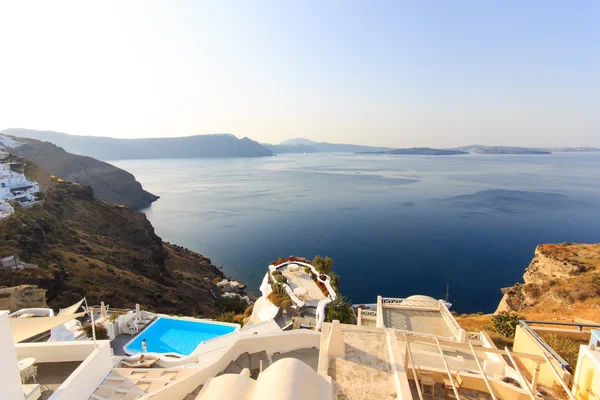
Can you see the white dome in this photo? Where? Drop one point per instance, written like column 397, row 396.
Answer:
column 420, row 297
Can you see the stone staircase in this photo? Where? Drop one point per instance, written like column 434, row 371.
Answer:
column 245, row 360
column 193, row 395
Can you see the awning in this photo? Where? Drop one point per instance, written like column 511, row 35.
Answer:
column 71, row 310
column 24, row 328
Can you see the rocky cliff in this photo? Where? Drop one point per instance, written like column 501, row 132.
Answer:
column 22, row 296
column 109, row 182
column 87, row 247
column 561, row 280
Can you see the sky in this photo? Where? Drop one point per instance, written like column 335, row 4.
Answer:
column 390, row 73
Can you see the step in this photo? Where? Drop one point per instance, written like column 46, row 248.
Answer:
column 255, row 360
column 243, row 361
column 194, row 394
column 232, row 368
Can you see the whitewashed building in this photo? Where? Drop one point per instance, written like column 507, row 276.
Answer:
column 15, row 187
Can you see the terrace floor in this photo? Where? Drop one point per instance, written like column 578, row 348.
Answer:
column 366, row 360
column 301, row 279
column 52, row 375
column 429, row 322
column 118, row 342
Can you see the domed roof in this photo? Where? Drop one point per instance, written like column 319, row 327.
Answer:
column 420, row 297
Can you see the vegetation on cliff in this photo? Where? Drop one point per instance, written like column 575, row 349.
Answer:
column 87, row 247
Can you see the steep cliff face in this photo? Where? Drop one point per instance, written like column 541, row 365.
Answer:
column 562, row 279
column 109, row 182
column 22, row 296
column 87, row 247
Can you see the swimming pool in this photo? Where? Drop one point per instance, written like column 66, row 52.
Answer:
column 170, row 335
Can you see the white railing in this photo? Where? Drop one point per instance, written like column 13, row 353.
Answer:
column 474, row 336
column 368, row 313
column 454, row 326
column 434, row 304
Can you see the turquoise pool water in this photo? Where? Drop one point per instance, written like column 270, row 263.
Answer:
column 167, row 335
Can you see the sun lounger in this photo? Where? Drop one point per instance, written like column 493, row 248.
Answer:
column 135, row 363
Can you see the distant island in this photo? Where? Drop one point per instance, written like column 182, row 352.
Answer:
column 300, row 145
column 479, row 149
column 423, row 151
column 105, row 148
column 306, row 146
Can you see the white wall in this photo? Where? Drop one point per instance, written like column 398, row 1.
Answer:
column 90, row 373
column 10, row 377
column 56, row 351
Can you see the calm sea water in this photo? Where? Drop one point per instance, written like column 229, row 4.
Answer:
column 394, row 225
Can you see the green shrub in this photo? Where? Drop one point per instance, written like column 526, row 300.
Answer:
column 231, row 304
column 340, row 309
column 227, row 317
column 101, row 332
column 279, row 299
column 335, row 281
column 308, row 270
column 505, row 323
column 566, row 347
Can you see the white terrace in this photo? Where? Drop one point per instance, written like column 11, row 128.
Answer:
column 421, row 314
column 302, row 285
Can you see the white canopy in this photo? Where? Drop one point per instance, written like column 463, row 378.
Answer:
column 24, row 328
column 71, row 310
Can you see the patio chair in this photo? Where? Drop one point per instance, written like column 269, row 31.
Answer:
column 29, row 373
column 448, row 385
column 426, row 380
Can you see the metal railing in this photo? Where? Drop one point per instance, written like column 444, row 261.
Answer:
column 525, row 325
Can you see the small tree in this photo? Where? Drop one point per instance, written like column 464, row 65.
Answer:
column 505, row 323
column 323, row 264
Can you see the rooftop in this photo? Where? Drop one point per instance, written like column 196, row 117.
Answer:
column 365, row 371
column 425, row 321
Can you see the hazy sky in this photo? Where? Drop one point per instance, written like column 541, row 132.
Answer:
column 398, row 73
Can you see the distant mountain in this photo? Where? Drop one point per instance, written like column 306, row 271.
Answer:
column 301, row 145
column 104, row 148
column 480, row 149
column 109, row 183
column 424, row 151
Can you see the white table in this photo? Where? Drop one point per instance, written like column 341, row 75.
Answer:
column 300, row 292
column 293, row 267
column 25, row 363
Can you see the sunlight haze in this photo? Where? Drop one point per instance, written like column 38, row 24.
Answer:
column 398, row 74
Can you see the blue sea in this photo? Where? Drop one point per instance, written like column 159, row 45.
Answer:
column 394, row 225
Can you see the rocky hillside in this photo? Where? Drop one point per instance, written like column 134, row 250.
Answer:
column 109, row 182
column 562, row 281
column 88, row 247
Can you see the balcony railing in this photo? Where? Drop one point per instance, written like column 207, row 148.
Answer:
column 434, row 304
